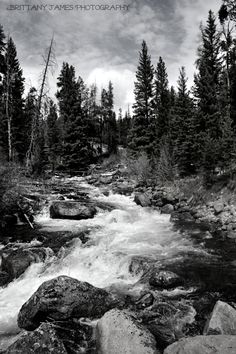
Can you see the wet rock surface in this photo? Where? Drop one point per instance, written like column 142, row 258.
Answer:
column 15, row 262
column 43, row 340
column 119, row 332
column 165, row 279
column 221, row 344
column 222, row 320
column 71, row 210
column 63, row 298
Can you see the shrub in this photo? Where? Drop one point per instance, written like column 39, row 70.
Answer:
column 9, row 188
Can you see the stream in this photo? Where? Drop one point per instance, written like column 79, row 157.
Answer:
column 117, row 237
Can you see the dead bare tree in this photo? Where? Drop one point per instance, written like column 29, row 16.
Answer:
column 7, row 104
column 49, row 62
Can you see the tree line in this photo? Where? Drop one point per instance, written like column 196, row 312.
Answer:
column 194, row 129
column 187, row 130
column 69, row 133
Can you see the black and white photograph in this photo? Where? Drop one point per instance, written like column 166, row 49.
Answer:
column 118, row 176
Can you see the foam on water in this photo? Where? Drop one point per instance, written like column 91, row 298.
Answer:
column 115, row 238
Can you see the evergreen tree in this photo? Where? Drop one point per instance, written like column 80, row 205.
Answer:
column 161, row 101
column 140, row 137
column 77, row 150
column 14, row 127
column 227, row 10
column 183, row 128
column 53, row 135
column 207, row 87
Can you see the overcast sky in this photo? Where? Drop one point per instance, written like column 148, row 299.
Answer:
column 103, row 45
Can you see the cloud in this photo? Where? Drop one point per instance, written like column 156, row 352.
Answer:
column 104, row 45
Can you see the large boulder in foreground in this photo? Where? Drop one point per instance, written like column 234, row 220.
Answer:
column 164, row 279
column 222, row 320
column 221, row 344
column 61, row 209
column 118, row 332
column 64, row 298
column 43, row 340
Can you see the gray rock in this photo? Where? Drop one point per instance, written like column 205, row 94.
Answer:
column 64, row 298
column 123, row 189
column 106, row 179
column 71, row 210
column 221, row 344
column 142, row 199
column 17, row 261
column 222, row 320
column 231, row 235
column 165, row 279
column 218, row 207
column 44, row 340
column 167, row 209
column 118, row 332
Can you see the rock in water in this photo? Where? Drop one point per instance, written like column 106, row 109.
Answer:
column 17, row 261
column 222, row 320
column 167, row 209
column 142, row 199
column 43, row 340
column 165, row 279
column 119, row 333
column 64, row 298
column 71, row 210
column 221, row 344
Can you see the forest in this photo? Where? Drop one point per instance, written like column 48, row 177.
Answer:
column 179, row 131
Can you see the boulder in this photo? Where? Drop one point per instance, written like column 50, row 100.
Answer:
column 64, row 298
column 167, row 209
column 41, row 341
column 123, row 189
column 165, row 279
column 182, row 216
column 169, row 320
column 71, row 210
column 106, row 179
column 231, row 234
column 222, row 320
column 118, row 332
column 142, row 199
column 221, row 344
column 17, row 261
column 218, row 207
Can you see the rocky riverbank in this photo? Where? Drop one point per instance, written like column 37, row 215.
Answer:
column 167, row 315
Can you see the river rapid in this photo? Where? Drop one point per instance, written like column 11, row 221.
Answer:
column 117, row 237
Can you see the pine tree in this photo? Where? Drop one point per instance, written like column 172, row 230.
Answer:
column 140, row 139
column 77, row 150
column 53, row 135
column 183, row 128
column 227, row 10
column 13, row 90
column 161, row 101
column 207, row 87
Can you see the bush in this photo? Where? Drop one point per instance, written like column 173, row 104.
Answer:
column 139, row 168
column 9, row 189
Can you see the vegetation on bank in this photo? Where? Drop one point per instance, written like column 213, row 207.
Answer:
column 173, row 133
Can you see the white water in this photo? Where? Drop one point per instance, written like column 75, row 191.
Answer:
column 115, row 238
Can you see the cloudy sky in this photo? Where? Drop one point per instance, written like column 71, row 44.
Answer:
column 103, row 45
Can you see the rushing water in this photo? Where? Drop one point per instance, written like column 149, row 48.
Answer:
column 116, row 237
